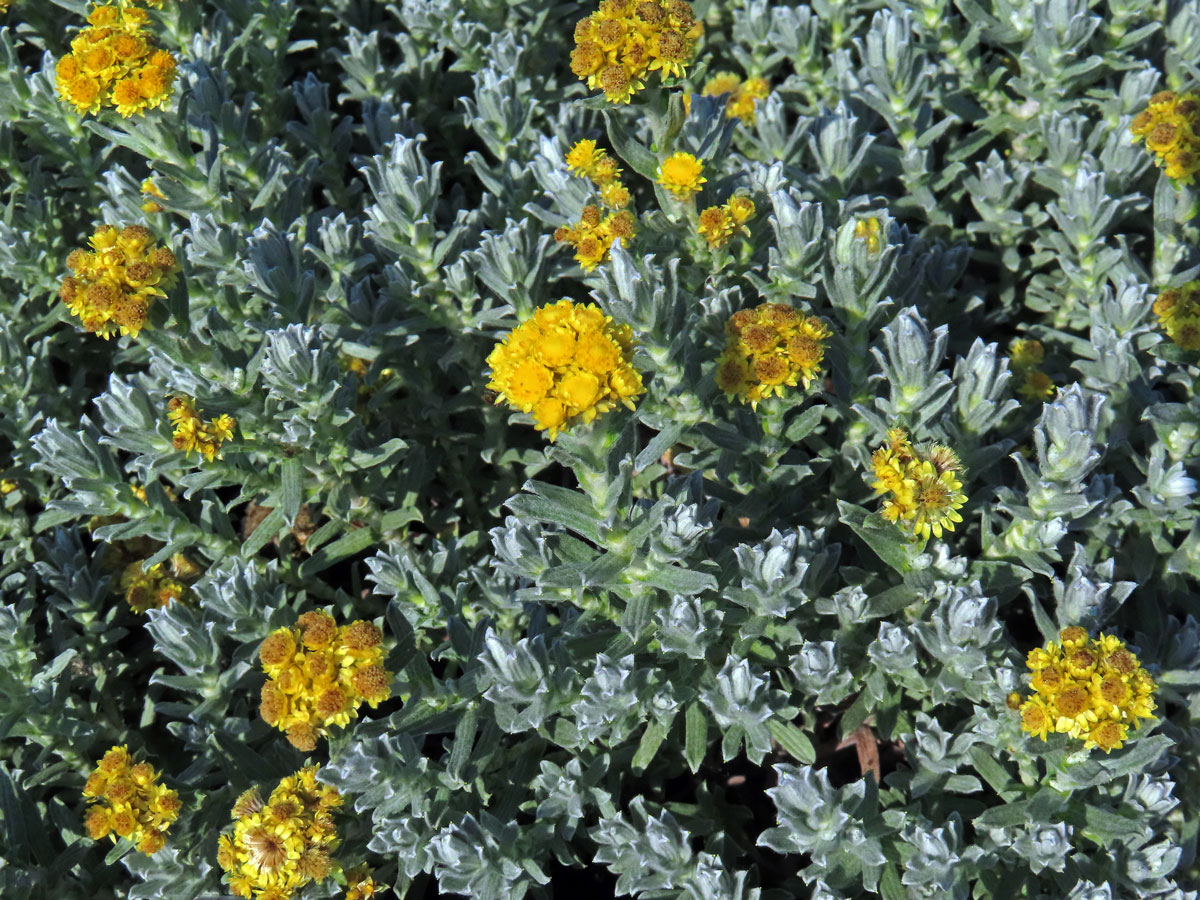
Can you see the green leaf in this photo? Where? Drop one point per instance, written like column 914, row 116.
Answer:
column 991, row 771
column 880, row 535
column 293, row 488
column 349, row 544
column 640, row 159
column 695, row 736
column 675, row 580
column 856, row 714
column 890, row 887
column 267, row 529
column 464, row 740
column 1106, row 827
column 652, row 739
column 803, row 424
column 793, row 740
column 562, row 506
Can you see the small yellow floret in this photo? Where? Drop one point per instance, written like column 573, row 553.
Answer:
column 193, row 434
column 1170, row 126
column 129, row 802
column 923, row 488
column 768, row 348
column 681, row 174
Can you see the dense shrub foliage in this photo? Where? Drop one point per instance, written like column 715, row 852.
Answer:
column 508, row 448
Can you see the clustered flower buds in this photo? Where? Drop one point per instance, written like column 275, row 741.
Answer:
column 566, row 364
column 768, row 348
column 319, row 674
column 588, row 161
column 740, row 95
column 113, row 63
column 718, row 223
column 1178, row 311
column 923, row 486
column 1026, row 356
column 1093, row 689
column 129, row 802
column 279, row 846
column 595, row 233
column 619, row 45
column 192, row 433
column 114, row 283
column 681, row 174
column 1170, row 126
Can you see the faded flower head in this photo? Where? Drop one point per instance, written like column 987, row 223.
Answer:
column 318, row 674
column 566, row 365
column 681, row 174
column 1178, row 311
column 151, row 588
column 922, row 485
column 280, row 845
column 717, row 224
column 1092, row 689
column 191, row 433
column 1170, row 126
column 1026, row 356
column 114, row 283
column 113, row 62
column 128, row 802
column 620, row 44
column 741, row 96
column 768, row 348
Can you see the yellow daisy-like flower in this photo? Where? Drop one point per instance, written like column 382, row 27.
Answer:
column 870, row 232
column 113, row 63
column 681, row 174
column 193, row 434
column 619, row 45
column 129, row 802
column 768, row 349
column 1093, row 689
column 278, row 846
column 741, row 96
column 717, row 224
column 923, row 488
column 1170, row 126
column 594, row 234
column 318, row 674
column 112, row 285
column 566, row 365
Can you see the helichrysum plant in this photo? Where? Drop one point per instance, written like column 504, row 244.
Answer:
column 516, row 450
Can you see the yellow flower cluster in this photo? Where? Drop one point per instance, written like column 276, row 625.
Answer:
column 768, row 348
column 1090, row 689
column 588, row 161
column 566, row 364
column 278, row 846
column 926, row 492
column 742, row 95
column 114, row 63
column 1170, row 126
column 1178, row 311
column 192, row 433
column 150, row 189
column 619, row 45
column 114, row 283
column 158, row 585
column 360, row 885
column 129, row 802
column 870, row 232
column 319, row 674
column 1025, row 357
column 594, row 234
column 718, row 223
column 681, row 174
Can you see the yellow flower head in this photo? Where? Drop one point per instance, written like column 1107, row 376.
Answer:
column 870, row 232
column 566, row 364
column 277, row 847
column 1092, row 689
column 1170, row 126
column 1178, row 311
column 129, row 802
column 923, row 488
column 740, row 95
column 112, row 285
column 717, row 224
column 319, row 674
column 151, row 588
column 113, row 63
column 681, row 174
column 620, row 44
column 769, row 348
column 193, row 434
column 594, row 234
